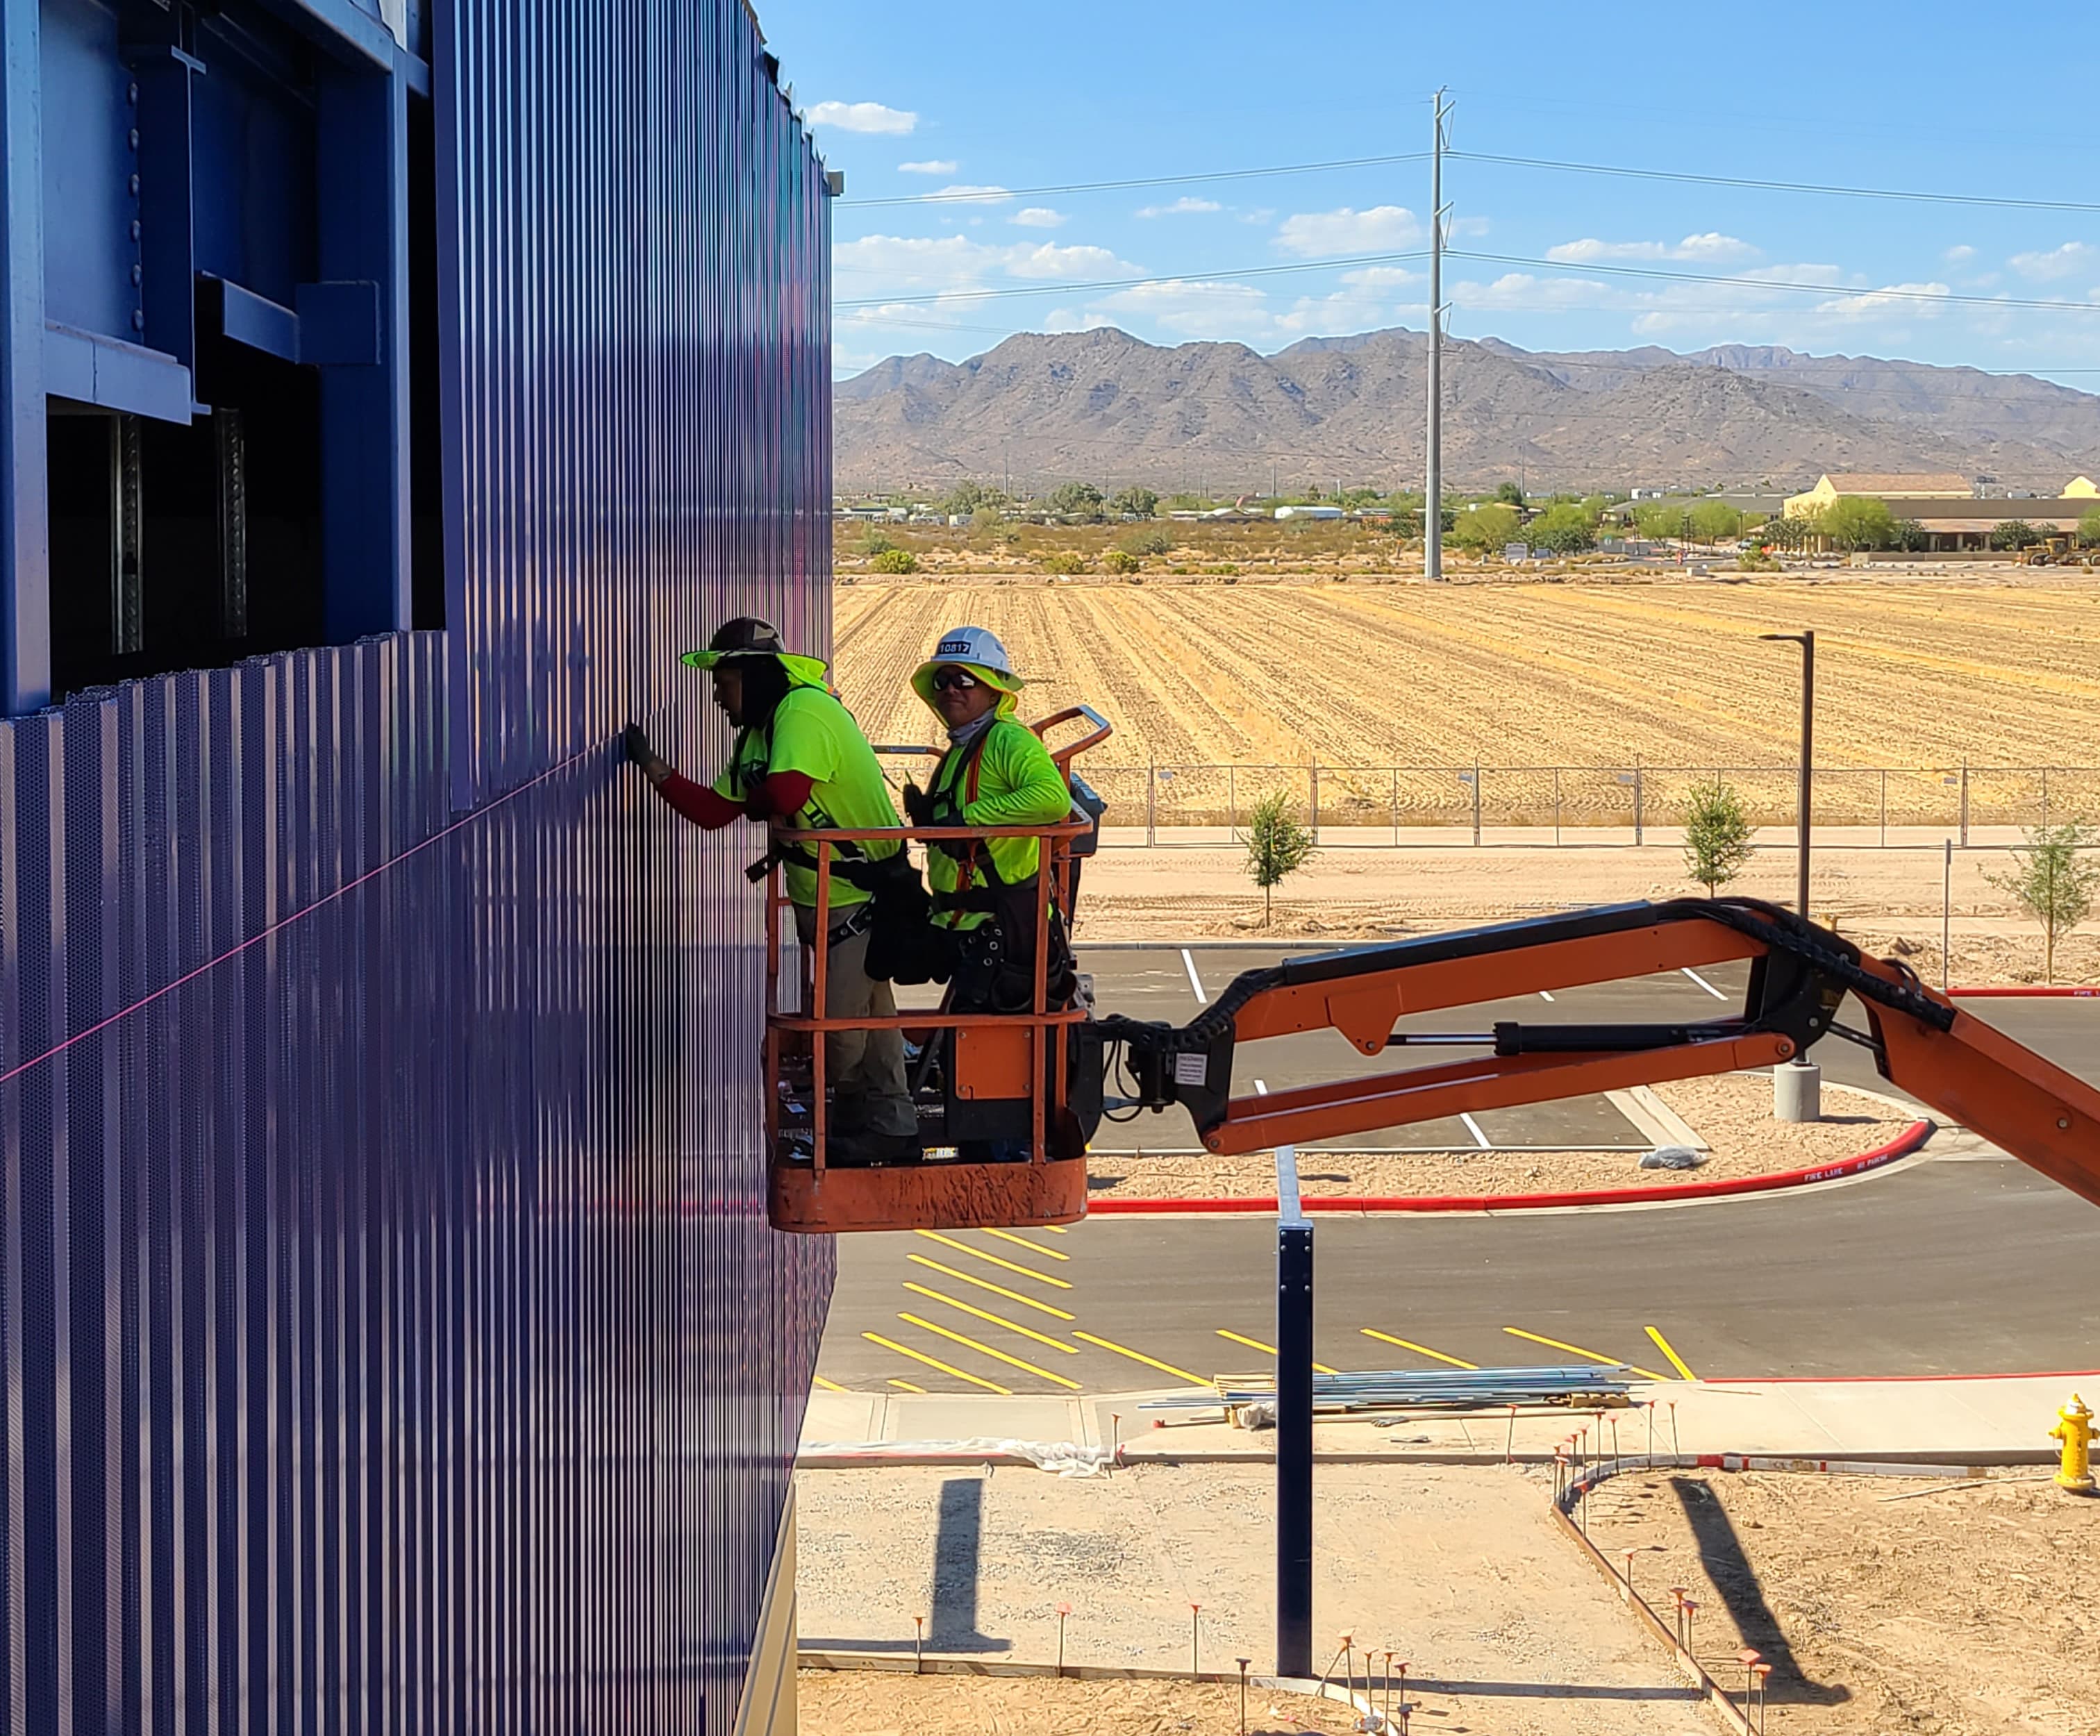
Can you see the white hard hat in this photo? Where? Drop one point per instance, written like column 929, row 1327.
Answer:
column 976, row 648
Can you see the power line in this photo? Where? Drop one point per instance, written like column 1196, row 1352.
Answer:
column 1776, row 186
column 1128, row 282
column 1831, row 290
column 989, row 195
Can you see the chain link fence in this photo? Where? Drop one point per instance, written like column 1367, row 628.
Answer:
column 1373, row 805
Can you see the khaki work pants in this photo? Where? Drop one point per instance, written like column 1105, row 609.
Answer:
column 865, row 1069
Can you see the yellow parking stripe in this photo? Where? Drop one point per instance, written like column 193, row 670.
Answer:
column 978, row 1253
column 1577, row 1350
column 985, row 1349
column 997, row 1320
column 1150, row 1362
column 828, row 1385
column 1058, row 1229
column 986, row 1284
column 934, row 1362
column 1022, row 1242
column 1419, row 1350
column 1676, row 1361
column 908, row 1386
column 1267, row 1350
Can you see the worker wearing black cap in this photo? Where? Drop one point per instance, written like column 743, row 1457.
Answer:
column 801, row 761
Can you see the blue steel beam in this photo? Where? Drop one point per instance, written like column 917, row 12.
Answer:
column 362, row 205
column 25, row 603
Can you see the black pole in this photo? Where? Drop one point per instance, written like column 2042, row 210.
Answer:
column 1805, row 779
column 1807, row 757
column 1294, row 1449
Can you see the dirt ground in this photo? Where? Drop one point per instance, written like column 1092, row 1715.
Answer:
column 857, row 1703
column 1926, row 672
column 1968, row 1612
column 1461, row 1571
column 1887, row 901
column 1733, row 1114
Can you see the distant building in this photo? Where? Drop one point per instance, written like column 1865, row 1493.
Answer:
column 2081, row 488
column 1880, row 486
column 1309, row 512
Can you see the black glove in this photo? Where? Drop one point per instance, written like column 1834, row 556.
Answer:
column 637, row 743
column 918, row 805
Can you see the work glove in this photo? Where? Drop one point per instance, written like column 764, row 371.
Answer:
column 918, row 805
column 756, row 806
column 636, row 741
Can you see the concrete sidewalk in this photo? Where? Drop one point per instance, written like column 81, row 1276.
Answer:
column 1999, row 1420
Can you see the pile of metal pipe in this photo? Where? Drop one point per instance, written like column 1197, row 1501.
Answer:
column 1414, row 1389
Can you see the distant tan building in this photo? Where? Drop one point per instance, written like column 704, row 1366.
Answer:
column 2081, row 488
column 1879, row 487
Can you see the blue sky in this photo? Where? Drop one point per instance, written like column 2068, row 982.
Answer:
column 921, row 97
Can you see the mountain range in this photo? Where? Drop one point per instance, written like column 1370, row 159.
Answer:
column 1106, row 406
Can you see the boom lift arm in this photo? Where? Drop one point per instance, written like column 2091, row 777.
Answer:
column 1800, row 975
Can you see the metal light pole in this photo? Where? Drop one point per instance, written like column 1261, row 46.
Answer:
column 1432, row 492
column 1806, row 641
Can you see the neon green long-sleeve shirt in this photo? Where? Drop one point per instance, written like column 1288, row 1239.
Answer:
column 1017, row 783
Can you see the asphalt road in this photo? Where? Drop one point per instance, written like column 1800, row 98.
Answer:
column 1975, row 1266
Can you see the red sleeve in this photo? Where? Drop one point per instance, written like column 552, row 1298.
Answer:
column 782, row 795
column 698, row 803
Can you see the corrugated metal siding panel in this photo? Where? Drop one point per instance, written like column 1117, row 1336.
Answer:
column 393, row 1335
column 634, row 234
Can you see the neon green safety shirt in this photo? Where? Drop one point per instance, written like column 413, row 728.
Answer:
column 1017, row 783
column 811, row 733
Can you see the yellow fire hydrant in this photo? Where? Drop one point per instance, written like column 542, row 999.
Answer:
column 2075, row 1430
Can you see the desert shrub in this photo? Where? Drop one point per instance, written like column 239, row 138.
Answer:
column 875, row 542
column 1063, row 561
column 1120, row 560
column 895, row 561
column 1223, row 570
column 1757, row 560
column 1148, row 542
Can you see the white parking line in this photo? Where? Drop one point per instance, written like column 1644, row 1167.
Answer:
column 1704, row 984
column 1473, row 1127
column 1544, row 996
column 1195, row 982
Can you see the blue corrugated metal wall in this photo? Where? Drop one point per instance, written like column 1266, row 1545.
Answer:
column 637, row 260
column 394, row 1336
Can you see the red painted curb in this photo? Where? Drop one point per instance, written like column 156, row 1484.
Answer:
column 2026, row 993
column 1902, row 1146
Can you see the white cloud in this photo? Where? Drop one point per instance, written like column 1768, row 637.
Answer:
column 1908, row 298
column 1182, row 208
column 1073, row 320
column 1959, row 255
column 863, row 118
column 1217, row 312
column 1329, row 235
column 933, row 166
column 1712, row 248
column 1522, row 291
column 1039, row 217
column 968, row 195
column 2071, row 257
column 1052, row 262
column 955, row 265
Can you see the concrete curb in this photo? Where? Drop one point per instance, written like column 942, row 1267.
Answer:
column 1904, row 1145
column 2025, row 993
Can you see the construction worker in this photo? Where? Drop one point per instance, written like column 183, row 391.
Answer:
column 996, row 772
column 801, row 761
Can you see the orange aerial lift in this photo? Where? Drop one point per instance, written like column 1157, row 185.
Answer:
column 1051, row 1073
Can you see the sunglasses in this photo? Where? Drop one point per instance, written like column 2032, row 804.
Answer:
column 954, row 681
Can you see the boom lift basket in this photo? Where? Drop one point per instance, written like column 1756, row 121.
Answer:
column 1002, row 1075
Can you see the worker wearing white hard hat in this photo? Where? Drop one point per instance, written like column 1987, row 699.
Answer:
column 996, row 772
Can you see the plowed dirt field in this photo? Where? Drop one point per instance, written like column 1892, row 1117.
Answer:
column 1919, row 674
